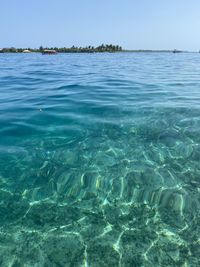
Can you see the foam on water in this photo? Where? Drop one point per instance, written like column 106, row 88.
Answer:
column 99, row 160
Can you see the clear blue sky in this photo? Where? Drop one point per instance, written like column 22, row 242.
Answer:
column 134, row 24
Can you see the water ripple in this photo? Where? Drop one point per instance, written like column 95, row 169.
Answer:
column 99, row 159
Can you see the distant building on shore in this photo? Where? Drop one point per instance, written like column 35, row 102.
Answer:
column 26, row 51
column 49, row 52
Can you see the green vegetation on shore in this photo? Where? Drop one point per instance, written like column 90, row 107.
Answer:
column 88, row 49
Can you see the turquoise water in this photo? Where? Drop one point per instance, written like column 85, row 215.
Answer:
column 100, row 160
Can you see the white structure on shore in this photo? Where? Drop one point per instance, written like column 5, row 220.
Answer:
column 26, row 51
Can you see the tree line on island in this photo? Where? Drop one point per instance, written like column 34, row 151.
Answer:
column 74, row 49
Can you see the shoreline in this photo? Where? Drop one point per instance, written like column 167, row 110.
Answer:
column 123, row 51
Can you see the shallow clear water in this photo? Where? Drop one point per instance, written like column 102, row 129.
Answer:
column 100, row 160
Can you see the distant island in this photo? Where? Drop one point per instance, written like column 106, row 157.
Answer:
column 74, row 49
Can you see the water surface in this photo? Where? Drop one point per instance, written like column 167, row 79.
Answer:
column 100, row 160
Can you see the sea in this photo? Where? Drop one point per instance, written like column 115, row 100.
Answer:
column 100, row 160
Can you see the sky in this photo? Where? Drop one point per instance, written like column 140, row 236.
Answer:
column 133, row 24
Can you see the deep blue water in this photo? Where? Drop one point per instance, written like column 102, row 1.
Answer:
column 100, row 160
